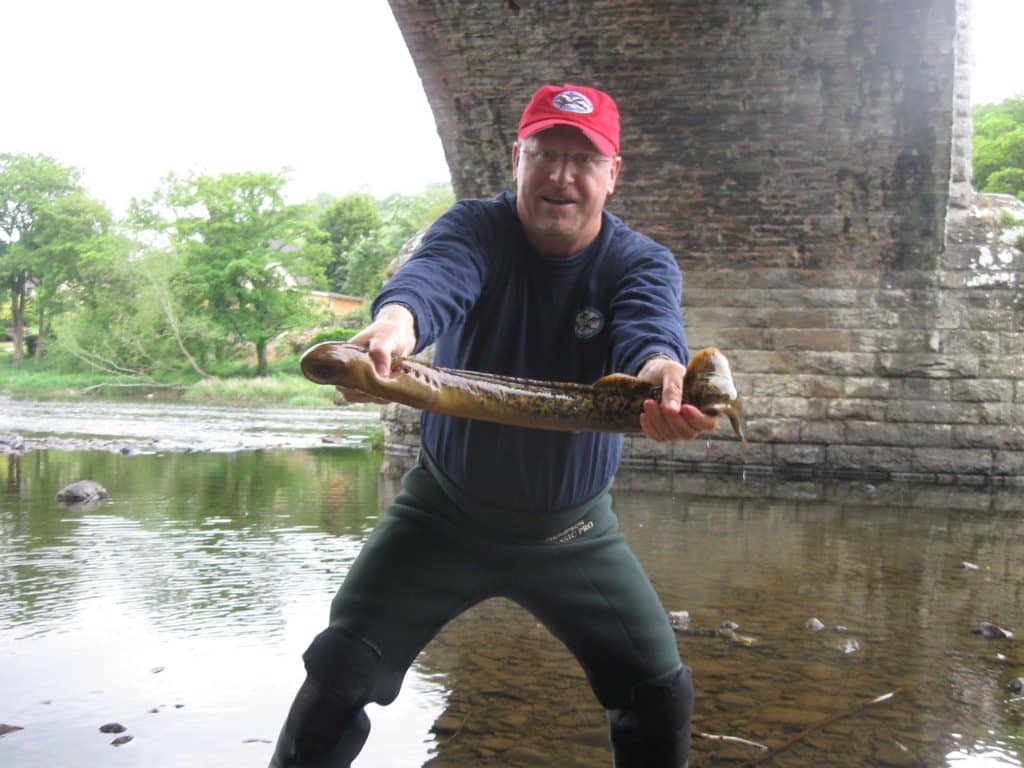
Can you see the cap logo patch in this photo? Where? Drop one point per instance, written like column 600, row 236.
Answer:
column 572, row 101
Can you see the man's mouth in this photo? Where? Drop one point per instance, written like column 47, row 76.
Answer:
column 552, row 200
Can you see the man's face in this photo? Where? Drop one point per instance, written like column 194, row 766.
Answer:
column 562, row 181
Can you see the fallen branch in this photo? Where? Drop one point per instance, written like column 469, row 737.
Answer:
column 102, row 364
column 172, row 321
column 771, row 753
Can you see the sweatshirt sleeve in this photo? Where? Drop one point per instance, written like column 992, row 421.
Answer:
column 646, row 309
column 442, row 280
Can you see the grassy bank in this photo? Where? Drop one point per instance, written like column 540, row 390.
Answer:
column 285, row 386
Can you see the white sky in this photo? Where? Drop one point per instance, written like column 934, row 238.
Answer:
column 997, row 71
column 128, row 90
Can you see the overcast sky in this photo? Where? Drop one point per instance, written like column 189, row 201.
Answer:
column 127, row 90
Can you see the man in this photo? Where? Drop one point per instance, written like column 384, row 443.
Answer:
column 542, row 284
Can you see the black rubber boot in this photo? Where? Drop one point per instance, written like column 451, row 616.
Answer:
column 654, row 730
column 321, row 731
column 326, row 726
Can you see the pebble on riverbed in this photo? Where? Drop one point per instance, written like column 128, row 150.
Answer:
column 679, row 619
column 991, row 631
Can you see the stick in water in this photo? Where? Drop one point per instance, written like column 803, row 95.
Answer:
column 817, row 727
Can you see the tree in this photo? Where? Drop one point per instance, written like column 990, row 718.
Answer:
column 242, row 249
column 29, row 186
column 127, row 319
column 999, row 147
column 66, row 233
column 347, row 221
column 402, row 217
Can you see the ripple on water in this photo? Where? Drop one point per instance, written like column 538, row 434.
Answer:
column 177, row 426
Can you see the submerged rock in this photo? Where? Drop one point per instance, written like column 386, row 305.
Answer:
column 12, row 444
column 82, row 490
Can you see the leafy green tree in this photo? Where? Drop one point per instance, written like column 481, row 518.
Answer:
column 1008, row 181
column 66, row 234
column 127, row 320
column 105, row 329
column 999, row 147
column 347, row 221
column 29, row 186
column 242, row 250
column 419, row 211
column 367, row 261
column 402, row 217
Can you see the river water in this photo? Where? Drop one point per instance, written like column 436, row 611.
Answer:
column 180, row 606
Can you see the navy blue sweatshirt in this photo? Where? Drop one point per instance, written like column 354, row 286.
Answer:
column 491, row 303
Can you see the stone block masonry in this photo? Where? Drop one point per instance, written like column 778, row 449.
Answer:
column 914, row 374
column 808, row 162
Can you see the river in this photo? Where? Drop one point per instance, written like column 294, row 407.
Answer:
column 180, row 606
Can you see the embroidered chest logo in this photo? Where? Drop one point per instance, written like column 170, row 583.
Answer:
column 572, row 101
column 589, row 323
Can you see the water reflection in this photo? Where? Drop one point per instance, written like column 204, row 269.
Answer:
column 180, row 608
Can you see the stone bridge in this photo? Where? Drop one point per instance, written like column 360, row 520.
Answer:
column 808, row 162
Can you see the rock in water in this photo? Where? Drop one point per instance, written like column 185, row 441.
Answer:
column 82, row 490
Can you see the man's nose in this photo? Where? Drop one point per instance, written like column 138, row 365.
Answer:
column 563, row 170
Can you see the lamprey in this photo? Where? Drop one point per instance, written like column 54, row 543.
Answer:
column 611, row 404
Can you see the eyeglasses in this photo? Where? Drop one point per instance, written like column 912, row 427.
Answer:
column 549, row 159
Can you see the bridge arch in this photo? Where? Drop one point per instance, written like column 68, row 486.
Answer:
column 808, row 162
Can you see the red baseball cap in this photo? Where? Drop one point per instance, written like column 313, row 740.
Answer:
column 594, row 112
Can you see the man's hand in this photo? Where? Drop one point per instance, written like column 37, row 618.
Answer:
column 391, row 336
column 670, row 420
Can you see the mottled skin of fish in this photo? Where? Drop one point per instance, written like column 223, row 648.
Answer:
column 611, row 404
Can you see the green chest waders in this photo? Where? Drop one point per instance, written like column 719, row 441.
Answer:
column 435, row 554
